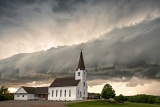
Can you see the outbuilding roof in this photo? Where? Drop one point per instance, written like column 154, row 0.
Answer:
column 63, row 82
column 41, row 90
column 36, row 90
column 29, row 90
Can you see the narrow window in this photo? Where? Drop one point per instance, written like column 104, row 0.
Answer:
column 84, row 91
column 60, row 93
column 84, row 84
column 65, row 93
column 78, row 73
column 80, row 94
column 52, row 92
column 17, row 95
column 56, row 93
column 78, row 91
column 70, row 93
column 23, row 96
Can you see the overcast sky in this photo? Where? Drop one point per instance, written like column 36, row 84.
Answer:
column 41, row 40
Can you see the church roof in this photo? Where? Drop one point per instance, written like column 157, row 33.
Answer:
column 81, row 65
column 62, row 82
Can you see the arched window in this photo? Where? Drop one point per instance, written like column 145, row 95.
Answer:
column 70, row 93
column 56, row 93
column 80, row 93
column 78, row 73
column 52, row 92
column 65, row 93
column 60, row 93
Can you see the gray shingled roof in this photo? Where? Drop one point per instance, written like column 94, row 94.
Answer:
column 36, row 90
column 29, row 90
column 62, row 82
column 41, row 90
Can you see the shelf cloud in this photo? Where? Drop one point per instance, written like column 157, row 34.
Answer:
column 41, row 40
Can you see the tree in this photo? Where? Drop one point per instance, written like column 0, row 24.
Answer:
column 158, row 100
column 151, row 99
column 3, row 90
column 107, row 92
column 5, row 95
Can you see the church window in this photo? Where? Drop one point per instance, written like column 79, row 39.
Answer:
column 84, row 84
column 80, row 94
column 60, row 93
column 78, row 73
column 56, row 93
column 65, row 93
column 84, row 91
column 70, row 93
column 78, row 91
column 52, row 92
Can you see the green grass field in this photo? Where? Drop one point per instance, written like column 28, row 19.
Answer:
column 100, row 103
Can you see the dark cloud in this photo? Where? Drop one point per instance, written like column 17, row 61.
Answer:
column 119, row 55
column 66, row 6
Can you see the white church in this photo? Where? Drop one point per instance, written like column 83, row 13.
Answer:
column 61, row 89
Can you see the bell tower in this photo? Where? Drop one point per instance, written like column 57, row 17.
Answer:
column 81, row 75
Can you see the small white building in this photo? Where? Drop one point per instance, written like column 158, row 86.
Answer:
column 61, row 89
column 70, row 88
column 31, row 93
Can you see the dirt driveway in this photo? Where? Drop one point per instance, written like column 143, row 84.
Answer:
column 32, row 104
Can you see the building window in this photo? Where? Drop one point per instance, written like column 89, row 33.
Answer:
column 78, row 91
column 84, row 84
column 17, row 95
column 52, row 92
column 56, row 93
column 22, row 95
column 84, row 91
column 70, row 93
column 80, row 94
column 78, row 73
column 65, row 93
column 84, row 72
column 60, row 93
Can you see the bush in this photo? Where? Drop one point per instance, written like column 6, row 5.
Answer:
column 151, row 99
column 158, row 100
column 5, row 95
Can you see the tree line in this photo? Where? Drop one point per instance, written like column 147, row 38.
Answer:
column 109, row 93
column 5, row 94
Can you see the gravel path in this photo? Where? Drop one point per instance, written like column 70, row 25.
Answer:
column 32, row 104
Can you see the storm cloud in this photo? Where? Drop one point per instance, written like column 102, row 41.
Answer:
column 119, row 55
column 41, row 40
column 34, row 25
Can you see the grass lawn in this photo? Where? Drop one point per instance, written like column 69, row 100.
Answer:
column 102, row 103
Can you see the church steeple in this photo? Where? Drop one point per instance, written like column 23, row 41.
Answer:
column 81, row 65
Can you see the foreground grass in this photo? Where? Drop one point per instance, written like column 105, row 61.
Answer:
column 102, row 103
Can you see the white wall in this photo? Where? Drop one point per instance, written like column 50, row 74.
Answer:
column 62, row 98
column 20, row 96
column 21, row 90
column 83, row 78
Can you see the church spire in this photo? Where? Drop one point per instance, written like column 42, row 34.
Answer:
column 81, row 65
